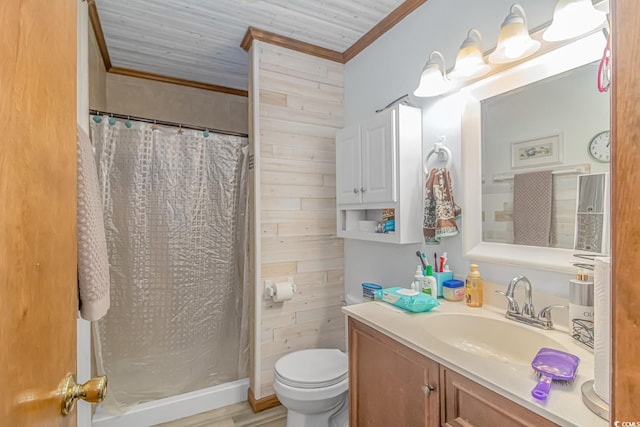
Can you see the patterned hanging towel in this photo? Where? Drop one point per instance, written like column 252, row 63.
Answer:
column 440, row 211
column 532, row 207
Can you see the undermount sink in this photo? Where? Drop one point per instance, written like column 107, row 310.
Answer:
column 502, row 340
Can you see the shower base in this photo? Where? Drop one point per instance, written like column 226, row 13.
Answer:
column 176, row 407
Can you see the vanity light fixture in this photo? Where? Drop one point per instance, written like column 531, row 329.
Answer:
column 514, row 42
column 433, row 80
column 470, row 61
column 573, row 18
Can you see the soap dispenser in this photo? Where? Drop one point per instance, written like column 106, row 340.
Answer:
column 473, row 287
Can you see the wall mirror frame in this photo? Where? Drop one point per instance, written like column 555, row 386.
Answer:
column 554, row 61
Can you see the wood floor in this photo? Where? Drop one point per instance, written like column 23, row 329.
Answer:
column 236, row 415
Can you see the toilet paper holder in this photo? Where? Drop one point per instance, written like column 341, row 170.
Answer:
column 270, row 288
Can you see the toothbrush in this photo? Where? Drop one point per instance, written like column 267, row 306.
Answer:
column 424, row 267
column 424, row 256
column 443, row 260
column 435, row 262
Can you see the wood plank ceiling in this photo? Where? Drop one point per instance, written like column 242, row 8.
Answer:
column 199, row 40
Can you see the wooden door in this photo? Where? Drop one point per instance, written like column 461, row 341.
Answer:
column 37, row 209
column 390, row 384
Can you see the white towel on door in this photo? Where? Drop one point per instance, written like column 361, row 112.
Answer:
column 93, row 261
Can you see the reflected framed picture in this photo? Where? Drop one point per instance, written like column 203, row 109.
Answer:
column 537, row 152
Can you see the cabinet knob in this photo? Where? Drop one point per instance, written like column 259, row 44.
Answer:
column 355, row 190
column 362, row 189
column 427, row 389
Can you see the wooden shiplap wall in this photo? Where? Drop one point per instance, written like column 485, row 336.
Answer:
column 295, row 114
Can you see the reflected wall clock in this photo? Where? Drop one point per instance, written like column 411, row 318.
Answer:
column 600, row 147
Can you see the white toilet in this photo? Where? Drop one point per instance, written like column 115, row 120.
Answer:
column 313, row 385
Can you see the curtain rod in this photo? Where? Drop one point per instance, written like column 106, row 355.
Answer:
column 165, row 123
column 570, row 170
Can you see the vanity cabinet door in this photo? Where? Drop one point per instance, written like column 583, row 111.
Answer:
column 466, row 403
column 389, row 384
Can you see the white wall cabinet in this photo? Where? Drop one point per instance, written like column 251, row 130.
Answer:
column 365, row 164
column 379, row 166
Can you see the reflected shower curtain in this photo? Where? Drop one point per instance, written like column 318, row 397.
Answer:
column 175, row 206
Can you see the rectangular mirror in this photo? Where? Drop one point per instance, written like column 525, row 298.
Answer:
column 528, row 133
column 547, row 125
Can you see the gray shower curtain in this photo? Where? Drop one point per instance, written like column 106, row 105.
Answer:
column 175, row 207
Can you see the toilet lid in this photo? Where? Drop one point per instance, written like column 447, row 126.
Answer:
column 315, row 368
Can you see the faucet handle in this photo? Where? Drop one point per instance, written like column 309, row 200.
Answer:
column 545, row 313
column 528, row 310
column 513, row 305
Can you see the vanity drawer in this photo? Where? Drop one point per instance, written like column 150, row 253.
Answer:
column 466, row 403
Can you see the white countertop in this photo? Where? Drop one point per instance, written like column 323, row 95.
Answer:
column 513, row 381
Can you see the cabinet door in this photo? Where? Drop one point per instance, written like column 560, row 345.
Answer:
column 348, row 169
column 389, row 384
column 468, row 404
column 379, row 158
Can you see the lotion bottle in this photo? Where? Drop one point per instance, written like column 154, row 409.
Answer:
column 429, row 283
column 580, row 303
column 473, row 287
column 417, row 279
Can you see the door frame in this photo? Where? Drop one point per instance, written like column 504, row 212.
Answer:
column 625, row 206
column 83, row 327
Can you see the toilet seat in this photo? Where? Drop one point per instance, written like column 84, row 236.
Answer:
column 310, row 369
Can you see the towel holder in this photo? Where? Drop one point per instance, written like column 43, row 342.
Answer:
column 438, row 148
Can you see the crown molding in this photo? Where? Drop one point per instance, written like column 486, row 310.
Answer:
column 177, row 81
column 389, row 21
column 94, row 18
column 397, row 15
column 289, row 43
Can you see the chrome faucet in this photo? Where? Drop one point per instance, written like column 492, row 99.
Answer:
column 527, row 309
column 528, row 313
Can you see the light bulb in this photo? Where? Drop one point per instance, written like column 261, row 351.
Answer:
column 433, row 81
column 470, row 61
column 573, row 18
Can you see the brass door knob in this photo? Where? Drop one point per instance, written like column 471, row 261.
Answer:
column 93, row 391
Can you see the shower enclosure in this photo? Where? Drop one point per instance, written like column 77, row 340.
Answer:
column 175, row 208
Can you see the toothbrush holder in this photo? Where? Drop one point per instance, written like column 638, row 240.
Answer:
column 441, row 277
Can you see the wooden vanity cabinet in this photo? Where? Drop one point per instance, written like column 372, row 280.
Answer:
column 389, row 383
column 393, row 385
